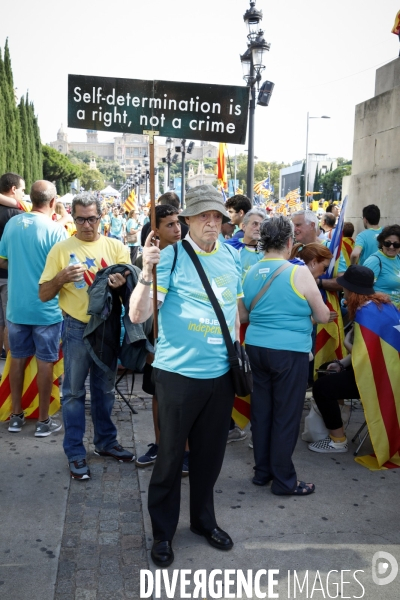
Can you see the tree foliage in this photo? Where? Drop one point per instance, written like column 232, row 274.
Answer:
column 110, row 170
column 20, row 145
column 57, row 167
column 333, row 177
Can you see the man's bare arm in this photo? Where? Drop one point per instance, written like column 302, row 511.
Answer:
column 3, row 263
column 50, row 289
column 355, row 255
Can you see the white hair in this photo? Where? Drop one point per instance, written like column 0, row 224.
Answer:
column 309, row 217
column 259, row 212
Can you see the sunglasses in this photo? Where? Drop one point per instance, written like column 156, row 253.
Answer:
column 91, row 220
column 387, row 244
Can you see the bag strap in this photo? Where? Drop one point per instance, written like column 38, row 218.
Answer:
column 266, row 286
column 213, row 299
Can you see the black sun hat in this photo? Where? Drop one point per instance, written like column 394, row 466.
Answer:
column 358, row 279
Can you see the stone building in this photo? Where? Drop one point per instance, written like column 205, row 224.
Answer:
column 375, row 176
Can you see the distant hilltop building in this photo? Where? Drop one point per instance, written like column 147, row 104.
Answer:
column 128, row 149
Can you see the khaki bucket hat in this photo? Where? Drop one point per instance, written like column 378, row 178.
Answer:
column 202, row 198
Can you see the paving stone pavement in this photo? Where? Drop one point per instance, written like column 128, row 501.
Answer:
column 103, row 547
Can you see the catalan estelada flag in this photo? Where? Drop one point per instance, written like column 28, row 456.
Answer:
column 130, row 202
column 347, row 249
column 222, row 172
column 376, row 363
column 241, row 405
column 329, row 344
column 30, row 394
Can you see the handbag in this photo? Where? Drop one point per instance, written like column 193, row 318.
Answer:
column 131, row 238
column 238, row 359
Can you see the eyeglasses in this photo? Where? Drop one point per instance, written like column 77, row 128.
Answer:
column 90, row 220
column 387, row 244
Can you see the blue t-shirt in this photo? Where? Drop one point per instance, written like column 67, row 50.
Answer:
column 249, row 255
column 367, row 241
column 26, row 242
column 387, row 274
column 132, row 224
column 116, row 226
column 190, row 339
column 281, row 319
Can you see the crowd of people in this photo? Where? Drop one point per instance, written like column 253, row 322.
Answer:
column 268, row 274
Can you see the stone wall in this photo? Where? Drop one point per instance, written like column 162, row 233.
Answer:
column 375, row 175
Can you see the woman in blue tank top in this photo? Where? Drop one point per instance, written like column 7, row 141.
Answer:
column 278, row 342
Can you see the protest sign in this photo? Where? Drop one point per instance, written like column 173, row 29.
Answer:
column 216, row 113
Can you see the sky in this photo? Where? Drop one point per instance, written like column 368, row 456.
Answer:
column 323, row 58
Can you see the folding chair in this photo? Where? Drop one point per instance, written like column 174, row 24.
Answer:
column 361, row 439
column 125, row 372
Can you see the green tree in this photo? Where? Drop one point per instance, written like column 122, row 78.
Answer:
column 333, row 177
column 91, row 179
column 3, row 137
column 58, row 168
column 316, row 182
column 15, row 138
column 27, row 146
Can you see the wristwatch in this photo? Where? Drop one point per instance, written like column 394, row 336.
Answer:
column 143, row 281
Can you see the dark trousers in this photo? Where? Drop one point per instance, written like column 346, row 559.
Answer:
column 198, row 410
column 328, row 389
column 134, row 250
column 279, row 386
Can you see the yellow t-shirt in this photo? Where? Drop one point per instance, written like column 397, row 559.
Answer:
column 95, row 256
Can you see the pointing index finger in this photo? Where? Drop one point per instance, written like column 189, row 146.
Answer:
column 151, row 240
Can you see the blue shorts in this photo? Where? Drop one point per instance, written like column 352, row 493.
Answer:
column 42, row 341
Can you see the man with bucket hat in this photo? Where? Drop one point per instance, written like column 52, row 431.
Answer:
column 193, row 383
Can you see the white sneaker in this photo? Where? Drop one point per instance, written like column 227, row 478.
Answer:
column 45, row 429
column 236, row 435
column 327, row 446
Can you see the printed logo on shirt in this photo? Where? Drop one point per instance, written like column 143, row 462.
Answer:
column 264, row 270
column 209, row 321
column 214, row 340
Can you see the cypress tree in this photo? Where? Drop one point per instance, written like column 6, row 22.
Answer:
column 38, row 173
column 3, row 139
column 26, row 146
column 316, row 181
column 14, row 157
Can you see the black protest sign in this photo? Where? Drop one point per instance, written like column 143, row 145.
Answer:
column 215, row 113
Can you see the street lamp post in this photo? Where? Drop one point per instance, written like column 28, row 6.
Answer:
column 306, row 164
column 183, row 150
column 252, row 66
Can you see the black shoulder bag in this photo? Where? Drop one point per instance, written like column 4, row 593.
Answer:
column 238, row 359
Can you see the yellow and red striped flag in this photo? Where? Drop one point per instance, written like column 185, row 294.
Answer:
column 30, row 393
column 130, row 202
column 347, row 249
column 239, row 191
column 376, row 363
column 329, row 343
column 222, row 172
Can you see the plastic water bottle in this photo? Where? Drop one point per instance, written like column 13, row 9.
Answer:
column 74, row 261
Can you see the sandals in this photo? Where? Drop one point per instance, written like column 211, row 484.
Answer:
column 302, row 489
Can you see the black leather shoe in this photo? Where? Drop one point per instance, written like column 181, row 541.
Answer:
column 162, row 554
column 216, row 537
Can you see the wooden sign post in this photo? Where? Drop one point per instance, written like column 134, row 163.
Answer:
column 151, row 135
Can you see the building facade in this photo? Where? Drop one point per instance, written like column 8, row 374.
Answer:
column 290, row 177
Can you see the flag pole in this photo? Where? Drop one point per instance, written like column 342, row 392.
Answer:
column 151, row 135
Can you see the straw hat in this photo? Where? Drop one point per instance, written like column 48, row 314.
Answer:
column 203, row 198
